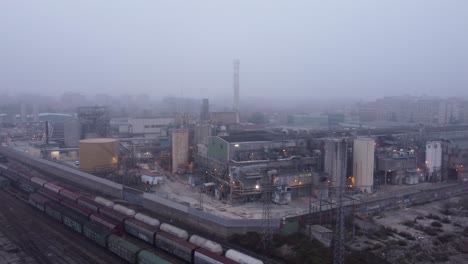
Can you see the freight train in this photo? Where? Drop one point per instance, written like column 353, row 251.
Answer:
column 103, row 222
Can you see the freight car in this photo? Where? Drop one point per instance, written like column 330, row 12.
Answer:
column 175, row 245
column 96, row 233
column 146, row 257
column 124, row 249
column 38, row 201
column 110, row 224
column 204, row 256
column 88, row 203
column 75, row 210
column 104, row 201
column 141, row 230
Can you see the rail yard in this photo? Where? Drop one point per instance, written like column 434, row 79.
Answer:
column 104, row 222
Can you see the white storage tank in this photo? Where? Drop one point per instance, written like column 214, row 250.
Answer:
column 147, row 219
column 124, row 210
column 174, row 231
column 104, row 201
column 241, row 257
column 206, row 244
column 433, row 156
column 363, row 163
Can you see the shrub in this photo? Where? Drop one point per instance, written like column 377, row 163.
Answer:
column 465, row 231
column 457, row 225
column 419, row 217
column 402, row 243
column 445, row 220
column 446, row 211
column 445, row 238
column 407, row 235
column 436, row 224
column 433, row 217
column 408, row 223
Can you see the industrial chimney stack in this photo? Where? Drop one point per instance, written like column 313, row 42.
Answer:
column 236, row 85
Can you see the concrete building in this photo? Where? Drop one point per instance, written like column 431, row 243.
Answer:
column 395, row 165
column 455, row 160
column 363, row 163
column 201, row 132
column 240, row 162
column 224, row 118
column 335, row 160
column 72, row 134
column 316, row 121
column 180, row 149
column 148, row 127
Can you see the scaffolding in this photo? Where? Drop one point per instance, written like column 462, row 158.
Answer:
column 94, row 121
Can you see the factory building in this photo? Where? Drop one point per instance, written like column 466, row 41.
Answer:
column 395, row 166
column 363, row 163
column 224, row 118
column 241, row 163
column 455, row 160
column 147, row 127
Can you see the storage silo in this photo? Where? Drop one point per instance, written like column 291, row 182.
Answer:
column 335, row 160
column 72, row 134
column 363, row 163
column 433, row 156
column 180, row 148
column 99, row 154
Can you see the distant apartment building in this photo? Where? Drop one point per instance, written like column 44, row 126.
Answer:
column 407, row 109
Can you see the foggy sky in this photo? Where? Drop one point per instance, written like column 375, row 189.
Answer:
column 294, row 49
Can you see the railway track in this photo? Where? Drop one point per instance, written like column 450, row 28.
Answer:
column 44, row 239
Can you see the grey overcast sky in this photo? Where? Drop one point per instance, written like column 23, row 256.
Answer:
column 358, row 48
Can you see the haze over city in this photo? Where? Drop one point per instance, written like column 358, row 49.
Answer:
column 300, row 49
column 234, row 132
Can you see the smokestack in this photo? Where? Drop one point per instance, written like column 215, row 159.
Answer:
column 236, row 85
column 205, row 111
column 47, row 132
column 23, row 112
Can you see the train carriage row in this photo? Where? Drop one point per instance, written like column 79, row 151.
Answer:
column 99, row 217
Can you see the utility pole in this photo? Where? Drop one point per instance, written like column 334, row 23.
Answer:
column 339, row 229
column 267, row 234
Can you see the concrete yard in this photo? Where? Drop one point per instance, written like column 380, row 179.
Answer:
column 177, row 188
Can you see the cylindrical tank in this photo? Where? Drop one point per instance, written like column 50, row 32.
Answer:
column 99, row 154
column 174, row 231
column 104, row 201
column 147, row 220
column 241, row 257
column 124, row 210
column 72, row 134
column 206, row 244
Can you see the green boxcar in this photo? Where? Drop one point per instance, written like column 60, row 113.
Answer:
column 146, row 257
column 53, row 210
column 73, row 220
column 97, row 233
column 123, row 248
